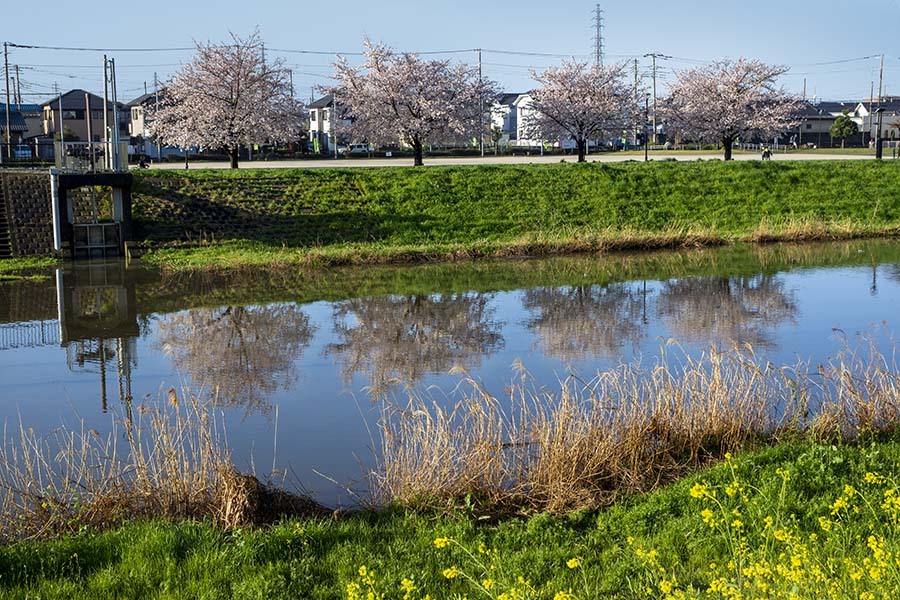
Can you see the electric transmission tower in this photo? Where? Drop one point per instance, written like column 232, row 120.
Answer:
column 598, row 36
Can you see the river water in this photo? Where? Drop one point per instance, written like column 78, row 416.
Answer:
column 296, row 360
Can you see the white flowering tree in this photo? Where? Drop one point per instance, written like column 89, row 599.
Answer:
column 727, row 100
column 579, row 101
column 403, row 97
column 226, row 97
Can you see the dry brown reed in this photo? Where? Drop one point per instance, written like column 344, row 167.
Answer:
column 630, row 429
column 164, row 460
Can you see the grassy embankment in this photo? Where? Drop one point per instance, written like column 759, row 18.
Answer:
column 202, row 219
column 799, row 520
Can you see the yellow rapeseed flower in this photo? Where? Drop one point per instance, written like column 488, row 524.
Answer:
column 441, row 542
column 699, row 490
column 487, row 583
column 352, row 591
column 564, row 595
column 451, row 573
column 407, row 585
column 573, row 563
column 782, row 535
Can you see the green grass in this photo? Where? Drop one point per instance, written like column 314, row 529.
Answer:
column 338, row 216
column 635, row 549
column 12, row 269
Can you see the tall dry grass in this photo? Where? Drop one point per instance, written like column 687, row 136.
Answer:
column 629, row 429
column 166, row 460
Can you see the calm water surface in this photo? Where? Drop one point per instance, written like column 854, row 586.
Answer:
column 298, row 357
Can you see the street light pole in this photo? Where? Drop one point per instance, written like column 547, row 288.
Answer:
column 879, row 143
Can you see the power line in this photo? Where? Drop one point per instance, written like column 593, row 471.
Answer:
column 82, row 49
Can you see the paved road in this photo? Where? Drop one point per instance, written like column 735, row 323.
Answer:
column 495, row 160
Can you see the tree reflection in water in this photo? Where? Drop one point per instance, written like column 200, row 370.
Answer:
column 744, row 309
column 575, row 323
column 242, row 354
column 400, row 339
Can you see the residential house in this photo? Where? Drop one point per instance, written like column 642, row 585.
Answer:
column 816, row 120
column 890, row 118
column 321, row 125
column 18, row 127
column 75, row 120
column 504, row 119
column 139, row 130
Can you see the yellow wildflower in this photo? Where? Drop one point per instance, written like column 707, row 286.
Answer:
column 451, row 573
column 782, row 535
column 700, row 490
column 352, row 591
column 487, row 583
column 573, row 563
column 441, row 542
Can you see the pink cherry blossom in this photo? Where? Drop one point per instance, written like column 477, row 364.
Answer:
column 727, row 100
column 228, row 96
column 402, row 97
column 580, row 101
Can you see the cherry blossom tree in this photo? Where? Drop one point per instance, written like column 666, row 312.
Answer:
column 401, row 96
column 579, row 101
column 227, row 96
column 727, row 100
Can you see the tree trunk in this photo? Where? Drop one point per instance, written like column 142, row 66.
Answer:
column 582, row 149
column 417, row 153
column 726, row 143
column 233, row 155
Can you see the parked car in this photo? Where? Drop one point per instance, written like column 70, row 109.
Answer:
column 357, row 150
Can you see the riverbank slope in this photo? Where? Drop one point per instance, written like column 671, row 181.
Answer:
column 801, row 519
column 324, row 217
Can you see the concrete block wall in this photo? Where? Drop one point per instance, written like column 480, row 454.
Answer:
column 81, row 199
column 27, row 197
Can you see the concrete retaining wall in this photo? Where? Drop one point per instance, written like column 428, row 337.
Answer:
column 28, row 207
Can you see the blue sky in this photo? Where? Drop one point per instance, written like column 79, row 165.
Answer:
column 800, row 34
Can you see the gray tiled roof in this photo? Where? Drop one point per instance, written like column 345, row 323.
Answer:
column 323, row 102
column 74, row 100
column 16, row 121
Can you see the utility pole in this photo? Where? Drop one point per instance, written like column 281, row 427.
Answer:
column 90, row 131
column 115, row 102
column 804, row 89
column 598, row 37
column 636, row 96
column 880, row 79
column 62, row 131
column 18, row 88
column 291, row 76
column 480, row 105
column 107, row 159
column 333, row 116
column 156, row 112
column 654, row 56
column 871, row 99
column 646, row 110
column 6, row 70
